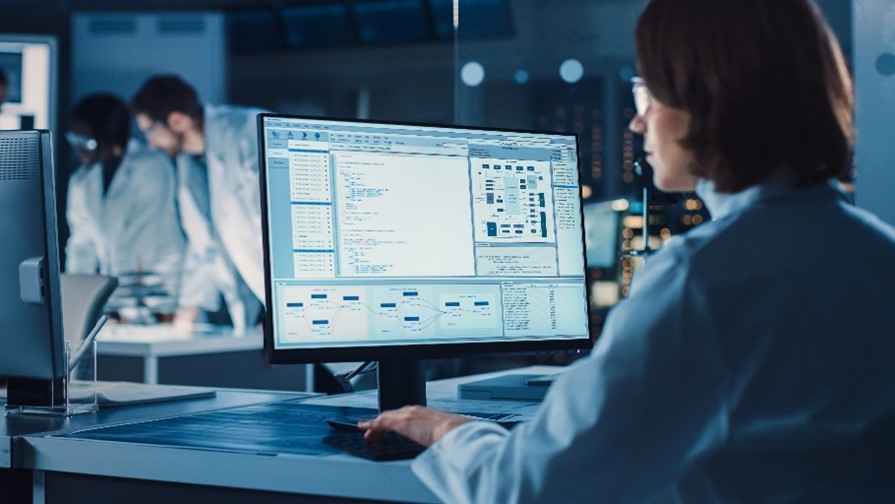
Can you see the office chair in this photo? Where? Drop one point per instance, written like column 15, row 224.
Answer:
column 83, row 299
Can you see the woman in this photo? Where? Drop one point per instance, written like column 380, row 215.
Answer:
column 752, row 360
column 120, row 209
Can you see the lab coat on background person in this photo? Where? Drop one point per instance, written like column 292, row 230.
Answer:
column 133, row 226
column 220, row 212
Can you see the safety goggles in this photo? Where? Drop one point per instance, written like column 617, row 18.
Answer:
column 81, row 142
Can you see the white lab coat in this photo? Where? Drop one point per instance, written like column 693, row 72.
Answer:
column 230, row 243
column 752, row 362
column 134, row 227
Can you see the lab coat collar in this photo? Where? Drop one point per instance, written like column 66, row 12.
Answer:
column 721, row 205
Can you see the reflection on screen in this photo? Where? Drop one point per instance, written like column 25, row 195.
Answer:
column 386, row 234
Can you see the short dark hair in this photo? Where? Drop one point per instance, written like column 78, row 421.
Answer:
column 764, row 81
column 162, row 94
column 107, row 116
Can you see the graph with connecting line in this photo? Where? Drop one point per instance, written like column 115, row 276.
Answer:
column 371, row 312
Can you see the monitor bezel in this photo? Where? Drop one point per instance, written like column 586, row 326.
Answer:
column 408, row 351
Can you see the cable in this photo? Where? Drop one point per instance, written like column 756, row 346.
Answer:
column 638, row 169
column 87, row 341
column 344, row 379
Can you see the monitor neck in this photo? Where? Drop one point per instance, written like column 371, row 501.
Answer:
column 402, row 382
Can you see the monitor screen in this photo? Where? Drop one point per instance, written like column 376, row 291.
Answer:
column 29, row 62
column 32, row 354
column 387, row 240
column 601, row 233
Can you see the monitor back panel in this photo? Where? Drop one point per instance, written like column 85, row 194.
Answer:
column 30, row 333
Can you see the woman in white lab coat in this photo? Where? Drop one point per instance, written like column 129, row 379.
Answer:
column 121, row 208
column 752, row 359
column 216, row 151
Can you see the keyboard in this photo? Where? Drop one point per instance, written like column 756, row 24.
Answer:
column 388, row 446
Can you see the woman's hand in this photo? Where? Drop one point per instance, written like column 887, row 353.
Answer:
column 423, row 425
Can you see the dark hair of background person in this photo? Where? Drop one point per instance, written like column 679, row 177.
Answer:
column 163, row 94
column 107, row 116
column 764, row 81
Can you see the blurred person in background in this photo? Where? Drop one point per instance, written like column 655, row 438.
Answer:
column 120, row 209
column 215, row 149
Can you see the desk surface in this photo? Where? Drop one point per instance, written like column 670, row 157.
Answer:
column 14, row 427
column 328, row 473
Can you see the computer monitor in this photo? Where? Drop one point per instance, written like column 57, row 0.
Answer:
column 601, row 232
column 29, row 62
column 399, row 242
column 32, row 354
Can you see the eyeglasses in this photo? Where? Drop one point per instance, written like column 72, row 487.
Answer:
column 81, row 142
column 642, row 97
column 153, row 128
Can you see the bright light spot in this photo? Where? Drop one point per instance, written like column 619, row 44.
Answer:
column 633, row 221
column 620, row 205
column 521, row 76
column 472, row 74
column 692, row 204
column 586, row 191
column 571, row 70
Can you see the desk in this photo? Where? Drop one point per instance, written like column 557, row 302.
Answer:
column 211, row 357
column 14, row 428
column 69, row 469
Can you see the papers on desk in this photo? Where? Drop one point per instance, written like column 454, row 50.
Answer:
column 158, row 332
column 127, row 393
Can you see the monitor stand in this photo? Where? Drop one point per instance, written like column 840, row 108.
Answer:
column 34, row 392
column 402, row 382
column 27, row 396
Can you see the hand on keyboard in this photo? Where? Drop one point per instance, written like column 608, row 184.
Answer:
column 388, row 446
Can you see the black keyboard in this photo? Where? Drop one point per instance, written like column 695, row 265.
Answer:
column 388, row 446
